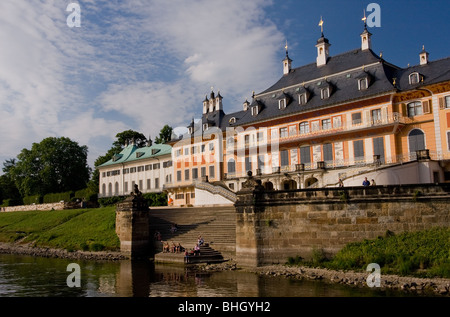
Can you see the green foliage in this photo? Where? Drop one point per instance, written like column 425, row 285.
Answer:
column 10, row 203
column 57, row 197
column 35, row 199
column 77, row 229
column 422, row 253
column 298, row 260
column 156, row 199
column 406, row 253
column 87, row 194
column 8, row 188
column 165, row 135
column 110, row 201
column 53, row 165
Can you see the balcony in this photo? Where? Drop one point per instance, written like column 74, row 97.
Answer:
column 391, row 120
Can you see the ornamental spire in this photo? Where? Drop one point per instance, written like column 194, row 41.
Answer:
column 321, row 25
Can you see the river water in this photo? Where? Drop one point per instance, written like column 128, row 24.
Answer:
column 26, row 276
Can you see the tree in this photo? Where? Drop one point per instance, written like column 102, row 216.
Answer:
column 8, row 188
column 127, row 137
column 165, row 135
column 52, row 166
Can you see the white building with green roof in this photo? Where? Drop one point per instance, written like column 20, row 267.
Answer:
column 149, row 167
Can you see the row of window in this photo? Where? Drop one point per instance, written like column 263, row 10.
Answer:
column 194, row 173
column 156, row 185
column 137, row 169
column 326, row 154
column 181, row 196
column 194, row 149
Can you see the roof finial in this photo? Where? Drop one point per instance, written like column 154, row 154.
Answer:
column 365, row 19
column 286, row 47
column 321, row 25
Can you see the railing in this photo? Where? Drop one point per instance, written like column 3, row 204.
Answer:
column 375, row 160
column 387, row 120
column 218, row 190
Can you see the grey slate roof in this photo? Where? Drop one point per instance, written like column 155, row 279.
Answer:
column 341, row 73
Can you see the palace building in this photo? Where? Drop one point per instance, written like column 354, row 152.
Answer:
column 149, row 167
column 343, row 117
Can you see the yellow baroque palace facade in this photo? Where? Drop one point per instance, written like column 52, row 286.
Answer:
column 342, row 118
column 332, row 122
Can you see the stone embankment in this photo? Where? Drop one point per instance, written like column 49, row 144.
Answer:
column 28, row 249
column 414, row 285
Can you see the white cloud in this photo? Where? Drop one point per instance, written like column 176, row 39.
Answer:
column 132, row 65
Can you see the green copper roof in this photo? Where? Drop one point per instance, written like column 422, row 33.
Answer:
column 133, row 153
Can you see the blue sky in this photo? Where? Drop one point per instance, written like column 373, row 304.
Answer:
column 142, row 64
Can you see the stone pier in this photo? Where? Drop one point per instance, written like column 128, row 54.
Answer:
column 133, row 227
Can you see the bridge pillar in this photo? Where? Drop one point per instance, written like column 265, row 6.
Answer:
column 133, row 226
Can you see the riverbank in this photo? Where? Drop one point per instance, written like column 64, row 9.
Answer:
column 414, row 285
column 29, row 249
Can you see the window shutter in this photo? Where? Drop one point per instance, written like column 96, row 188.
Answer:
column 441, row 103
column 404, row 109
column 426, row 106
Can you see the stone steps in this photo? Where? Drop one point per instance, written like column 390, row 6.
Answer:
column 216, row 225
column 207, row 255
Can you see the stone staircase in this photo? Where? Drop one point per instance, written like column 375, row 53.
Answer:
column 217, row 226
column 206, row 255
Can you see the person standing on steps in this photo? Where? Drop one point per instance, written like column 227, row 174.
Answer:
column 366, row 182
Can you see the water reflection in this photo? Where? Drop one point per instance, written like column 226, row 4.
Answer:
column 28, row 276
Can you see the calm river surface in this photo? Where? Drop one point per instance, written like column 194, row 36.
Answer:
column 25, row 276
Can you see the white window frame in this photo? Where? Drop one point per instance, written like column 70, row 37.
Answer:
column 365, row 81
column 325, row 93
column 414, row 75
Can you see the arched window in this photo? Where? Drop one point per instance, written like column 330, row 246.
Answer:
column 416, row 140
column 414, row 78
column 116, row 188
column 304, row 127
column 231, row 166
column 110, row 189
column 104, row 189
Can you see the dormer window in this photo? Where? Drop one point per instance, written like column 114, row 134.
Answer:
column 191, row 130
column 325, row 93
column 205, row 126
column 232, row 120
column 302, row 99
column 139, row 154
column 282, row 104
column 414, row 78
column 255, row 110
column 363, row 83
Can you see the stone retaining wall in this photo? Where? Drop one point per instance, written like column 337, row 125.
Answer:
column 42, row 207
column 272, row 226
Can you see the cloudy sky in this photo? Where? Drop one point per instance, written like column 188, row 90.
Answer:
column 141, row 64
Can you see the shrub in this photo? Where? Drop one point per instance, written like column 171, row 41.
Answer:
column 109, row 201
column 35, row 199
column 156, row 199
column 57, row 197
column 96, row 247
column 10, row 202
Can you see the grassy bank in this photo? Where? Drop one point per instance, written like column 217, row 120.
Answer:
column 423, row 254
column 80, row 229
